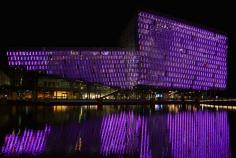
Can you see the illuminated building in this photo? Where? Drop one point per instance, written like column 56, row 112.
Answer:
column 178, row 55
column 113, row 68
column 170, row 54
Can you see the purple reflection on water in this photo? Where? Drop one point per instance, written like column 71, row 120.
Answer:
column 177, row 135
column 30, row 142
column 125, row 134
column 202, row 134
column 193, row 135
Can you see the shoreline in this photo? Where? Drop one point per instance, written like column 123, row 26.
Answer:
column 115, row 102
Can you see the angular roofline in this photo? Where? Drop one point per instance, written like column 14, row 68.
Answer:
column 72, row 49
column 184, row 21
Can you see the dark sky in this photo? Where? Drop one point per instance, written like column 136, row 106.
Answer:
column 100, row 23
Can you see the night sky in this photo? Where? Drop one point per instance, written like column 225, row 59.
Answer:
column 101, row 24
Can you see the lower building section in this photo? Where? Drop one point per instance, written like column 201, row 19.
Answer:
column 109, row 68
column 46, row 88
column 123, row 69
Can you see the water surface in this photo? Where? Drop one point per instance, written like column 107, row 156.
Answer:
column 175, row 131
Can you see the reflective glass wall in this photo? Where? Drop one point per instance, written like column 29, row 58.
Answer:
column 170, row 54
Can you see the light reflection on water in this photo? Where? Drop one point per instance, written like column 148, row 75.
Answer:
column 130, row 131
column 29, row 142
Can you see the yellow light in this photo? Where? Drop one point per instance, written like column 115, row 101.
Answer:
column 90, row 107
column 60, row 94
column 59, row 108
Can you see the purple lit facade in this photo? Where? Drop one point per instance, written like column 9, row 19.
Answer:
column 111, row 68
column 170, row 54
column 178, row 55
column 29, row 142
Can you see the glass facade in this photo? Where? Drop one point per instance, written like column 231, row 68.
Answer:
column 170, row 54
column 112, row 68
column 175, row 54
column 4, row 79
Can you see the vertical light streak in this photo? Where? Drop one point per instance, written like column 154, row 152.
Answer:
column 27, row 143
